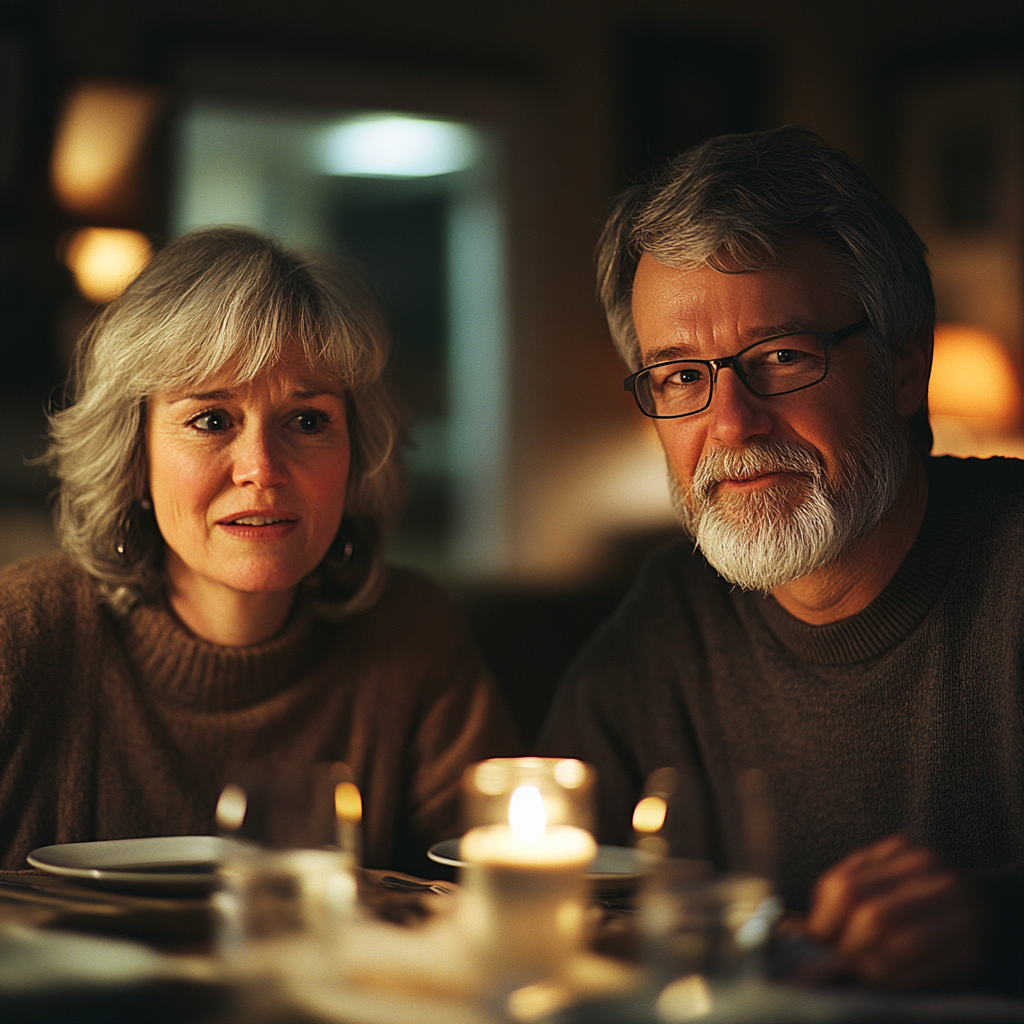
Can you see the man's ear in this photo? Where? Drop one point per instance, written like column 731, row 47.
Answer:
column 911, row 368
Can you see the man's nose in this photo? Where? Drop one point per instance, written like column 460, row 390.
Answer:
column 259, row 460
column 737, row 414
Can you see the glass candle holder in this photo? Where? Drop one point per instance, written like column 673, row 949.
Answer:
column 524, row 894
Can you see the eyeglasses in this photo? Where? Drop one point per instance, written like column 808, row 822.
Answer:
column 774, row 366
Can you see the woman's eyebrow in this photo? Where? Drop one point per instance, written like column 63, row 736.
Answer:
column 318, row 392
column 202, row 396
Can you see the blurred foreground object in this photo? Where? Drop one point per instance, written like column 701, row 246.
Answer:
column 525, row 899
column 288, row 887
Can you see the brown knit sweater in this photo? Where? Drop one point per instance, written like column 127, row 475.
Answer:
column 113, row 728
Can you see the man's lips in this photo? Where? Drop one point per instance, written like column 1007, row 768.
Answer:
column 773, row 478
column 755, row 478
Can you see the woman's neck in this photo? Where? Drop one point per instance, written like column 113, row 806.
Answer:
column 223, row 615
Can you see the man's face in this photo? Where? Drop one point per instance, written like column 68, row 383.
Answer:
column 772, row 488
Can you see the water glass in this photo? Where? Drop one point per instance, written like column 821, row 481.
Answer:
column 287, row 883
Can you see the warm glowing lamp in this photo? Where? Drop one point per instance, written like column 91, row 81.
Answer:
column 973, row 379
column 99, row 138
column 106, row 260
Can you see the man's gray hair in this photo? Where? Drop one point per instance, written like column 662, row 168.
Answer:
column 736, row 201
column 222, row 298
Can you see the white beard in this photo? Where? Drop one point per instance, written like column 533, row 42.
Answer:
column 763, row 540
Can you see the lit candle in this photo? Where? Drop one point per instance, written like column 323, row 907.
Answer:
column 525, row 895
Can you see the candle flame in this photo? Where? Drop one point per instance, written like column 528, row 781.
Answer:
column 348, row 804
column 526, row 816
column 649, row 814
column 231, row 808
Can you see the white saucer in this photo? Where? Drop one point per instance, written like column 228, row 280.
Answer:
column 177, row 865
column 614, row 867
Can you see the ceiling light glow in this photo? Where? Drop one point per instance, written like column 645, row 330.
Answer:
column 105, row 261
column 393, row 146
column 99, row 138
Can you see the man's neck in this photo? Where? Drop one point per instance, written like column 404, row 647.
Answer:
column 850, row 583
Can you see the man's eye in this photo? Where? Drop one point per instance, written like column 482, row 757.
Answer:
column 786, row 355
column 689, row 376
column 210, row 422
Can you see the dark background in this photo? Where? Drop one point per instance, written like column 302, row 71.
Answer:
column 611, row 87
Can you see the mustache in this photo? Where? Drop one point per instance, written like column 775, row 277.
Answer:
column 761, row 456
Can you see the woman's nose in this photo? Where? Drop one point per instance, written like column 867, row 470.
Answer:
column 259, row 461
column 737, row 414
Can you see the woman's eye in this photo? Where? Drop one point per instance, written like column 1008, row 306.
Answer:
column 310, row 422
column 210, row 422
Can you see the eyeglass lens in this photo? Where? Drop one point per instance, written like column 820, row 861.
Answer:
column 773, row 367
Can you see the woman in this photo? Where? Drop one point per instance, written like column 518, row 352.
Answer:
column 228, row 471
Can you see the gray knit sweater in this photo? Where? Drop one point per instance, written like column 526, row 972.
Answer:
column 908, row 716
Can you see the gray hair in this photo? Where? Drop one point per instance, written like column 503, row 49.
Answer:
column 741, row 199
column 217, row 298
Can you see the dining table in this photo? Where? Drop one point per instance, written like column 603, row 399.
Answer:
column 75, row 952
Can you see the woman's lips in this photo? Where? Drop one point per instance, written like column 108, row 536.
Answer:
column 264, row 525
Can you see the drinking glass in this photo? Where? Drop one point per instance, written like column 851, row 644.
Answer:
column 704, row 931
column 287, row 882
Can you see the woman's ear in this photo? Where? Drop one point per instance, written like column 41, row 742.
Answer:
column 911, row 369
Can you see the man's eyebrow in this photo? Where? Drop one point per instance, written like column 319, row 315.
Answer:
column 684, row 350
column 764, row 331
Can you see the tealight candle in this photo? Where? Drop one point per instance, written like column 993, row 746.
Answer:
column 524, row 890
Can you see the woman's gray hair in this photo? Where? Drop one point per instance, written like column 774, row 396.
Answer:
column 738, row 200
column 219, row 298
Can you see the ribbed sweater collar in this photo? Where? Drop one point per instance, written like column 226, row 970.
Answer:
column 900, row 607
column 205, row 676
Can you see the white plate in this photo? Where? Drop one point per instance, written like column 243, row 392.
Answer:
column 40, row 961
column 171, row 864
column 614, row 867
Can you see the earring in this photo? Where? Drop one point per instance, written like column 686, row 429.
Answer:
column 147, row 505
column 346, row 555
column 121, row 539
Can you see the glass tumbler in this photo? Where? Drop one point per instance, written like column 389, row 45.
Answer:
column 287, row 882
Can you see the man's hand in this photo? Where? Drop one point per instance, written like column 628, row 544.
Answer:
column 900, row 917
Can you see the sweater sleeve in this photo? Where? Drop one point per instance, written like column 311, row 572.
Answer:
column 47, row 614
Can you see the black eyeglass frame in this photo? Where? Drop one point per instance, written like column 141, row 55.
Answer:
column 827, row 338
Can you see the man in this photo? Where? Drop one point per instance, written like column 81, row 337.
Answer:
column 851, row 624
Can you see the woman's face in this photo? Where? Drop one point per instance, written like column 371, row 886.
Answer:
column 248, row 481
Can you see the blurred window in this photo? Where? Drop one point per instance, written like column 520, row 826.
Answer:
column 416, row 202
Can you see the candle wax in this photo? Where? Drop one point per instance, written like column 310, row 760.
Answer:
column 559, row 847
